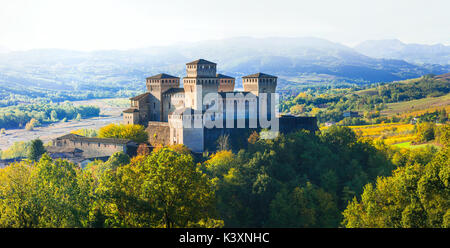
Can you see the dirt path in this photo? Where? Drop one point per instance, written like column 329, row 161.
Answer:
column 109, row 114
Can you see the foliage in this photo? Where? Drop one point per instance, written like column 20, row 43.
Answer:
column 164, row 189
column 18, row 150
column 17, row 116
column 86, row 132
column 284, row 182
column 425, row 132
column 329, row 104
column 417, row 195
column 136, row 133
column 35, row 150
column 223, row 143
column 45, row 194
column 143, row 150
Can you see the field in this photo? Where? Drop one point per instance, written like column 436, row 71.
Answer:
column 408, row 145
column 417, row 107
column 390, row 133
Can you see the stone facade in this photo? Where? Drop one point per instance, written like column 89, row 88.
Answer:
column 93, row 147
column 163, row 108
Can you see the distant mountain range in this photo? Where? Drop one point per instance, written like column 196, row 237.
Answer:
column 292, row 59
column 413, row 53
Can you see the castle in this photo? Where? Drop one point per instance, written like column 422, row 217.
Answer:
column 172, row 114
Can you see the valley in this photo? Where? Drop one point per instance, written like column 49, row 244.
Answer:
column 109, row 113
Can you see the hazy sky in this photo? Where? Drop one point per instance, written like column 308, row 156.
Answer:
column 114, row 24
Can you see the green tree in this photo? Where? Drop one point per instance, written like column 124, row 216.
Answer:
column 304, row 207
column 35, row 150
column 44, row 194
column 415, row 196
column 425, row 132
column 165, row 189
column 53, row 116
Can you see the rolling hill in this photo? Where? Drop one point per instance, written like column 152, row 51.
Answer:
column 412, row 53
column 292, row 59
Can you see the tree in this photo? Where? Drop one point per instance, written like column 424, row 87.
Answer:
column 78, row 118
column 425, row 132
column 304, row 207
column 46, row 193
column 143, row 150
column 31, row 124
column 53, row 116
column 136, row 133
column 36, row 150
column 415, row 196
column 223, row 143
column 165, row 189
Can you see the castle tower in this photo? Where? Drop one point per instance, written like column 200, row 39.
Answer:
column 200, row 80
column 156, row 86
column 259, row 83
column 226, row 83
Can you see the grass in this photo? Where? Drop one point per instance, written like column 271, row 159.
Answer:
column 409, row 146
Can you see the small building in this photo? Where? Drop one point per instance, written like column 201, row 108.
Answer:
column 91, row 147
column 330, row 123
column 351, row 114
column 131, row 116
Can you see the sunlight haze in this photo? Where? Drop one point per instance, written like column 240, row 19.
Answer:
column 100, row 24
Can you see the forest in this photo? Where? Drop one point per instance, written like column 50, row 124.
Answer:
column 19, row 116
column 329, row 179
column 329, row 103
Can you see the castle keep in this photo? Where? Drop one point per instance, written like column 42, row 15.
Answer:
column 172, row 114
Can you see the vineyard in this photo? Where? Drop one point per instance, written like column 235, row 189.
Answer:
column 390, row 133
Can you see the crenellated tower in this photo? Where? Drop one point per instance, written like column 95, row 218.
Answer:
column 259, row 83
column 201, row 79
column 156, row 86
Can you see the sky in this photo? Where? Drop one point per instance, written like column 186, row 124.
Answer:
column 126, row 24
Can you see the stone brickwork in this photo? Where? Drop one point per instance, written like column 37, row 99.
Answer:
column 158, row 133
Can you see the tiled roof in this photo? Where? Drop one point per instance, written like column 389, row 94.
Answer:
column 57, row 149
column 174, row 91
column 200, row 61
column 161, row 76
column 75, row 137
column 140, row 97
column 259, row 75
column 131, row 110
column 223, row 76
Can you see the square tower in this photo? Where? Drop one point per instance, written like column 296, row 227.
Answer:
column 201, row 79
column 259, row 83
column 226, row 83
column 156, row 86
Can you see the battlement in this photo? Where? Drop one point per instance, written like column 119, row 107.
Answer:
column 201, row 68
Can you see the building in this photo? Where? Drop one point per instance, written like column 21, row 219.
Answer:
column 170, row 112
column 350, row 114
column 76, row 147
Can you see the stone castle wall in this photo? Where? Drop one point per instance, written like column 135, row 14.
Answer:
column 93, row 149
column 158, row 133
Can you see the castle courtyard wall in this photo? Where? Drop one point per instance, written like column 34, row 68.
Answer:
column 158, row 133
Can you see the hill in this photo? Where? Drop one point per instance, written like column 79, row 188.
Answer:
column 412, row 53
column 292, row 59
